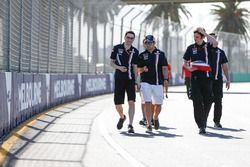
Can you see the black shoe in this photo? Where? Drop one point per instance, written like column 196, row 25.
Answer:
column 143, row 122
column 149, row 128
column 120, row 122
column 202, row 131
column 152, row 122
column 217, row 125
column 130, row 129
column 156, row 123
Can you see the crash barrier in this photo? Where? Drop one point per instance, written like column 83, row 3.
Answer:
column 25, row 94
column 241, row 77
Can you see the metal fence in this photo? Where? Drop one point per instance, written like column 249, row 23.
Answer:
column 74, row 36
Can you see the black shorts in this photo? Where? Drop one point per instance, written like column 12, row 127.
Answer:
column 120, row 87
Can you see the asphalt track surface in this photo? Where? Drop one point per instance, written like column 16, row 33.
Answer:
column 83, row 133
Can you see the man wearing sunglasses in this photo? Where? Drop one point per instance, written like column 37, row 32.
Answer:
column 152, row 67
column 124, row 59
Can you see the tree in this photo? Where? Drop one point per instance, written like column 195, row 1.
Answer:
column 102, row 12
column 163, row 15
column 231, row 19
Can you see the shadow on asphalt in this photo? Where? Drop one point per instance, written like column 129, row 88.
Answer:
column 152, row 134
column 165, row 128
column 227, row 129
column 211, row 134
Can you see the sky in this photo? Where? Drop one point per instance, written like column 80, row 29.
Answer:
column 201, row 14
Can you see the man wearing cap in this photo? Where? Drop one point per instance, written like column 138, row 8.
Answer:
column 124, row 59
column 201, row 85
column 219, row 62
column 152, row 66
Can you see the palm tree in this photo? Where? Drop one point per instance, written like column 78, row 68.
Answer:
column 232, row 19
column 163, row 15
column 166, row 13
column 102, row 12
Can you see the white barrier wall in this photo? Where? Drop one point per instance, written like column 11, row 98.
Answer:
column 24, row 94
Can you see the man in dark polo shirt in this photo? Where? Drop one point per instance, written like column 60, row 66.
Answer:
column 219, row 62
column 201, row 85
column 124, row 59
column 152, row 66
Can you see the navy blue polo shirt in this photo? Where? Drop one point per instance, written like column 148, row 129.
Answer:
column 125, row 58
column 201, row 52
column 219, row 57
column 154, row 62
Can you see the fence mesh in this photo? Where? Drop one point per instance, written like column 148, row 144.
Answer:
column 67, row 36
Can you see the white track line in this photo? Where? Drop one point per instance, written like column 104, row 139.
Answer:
column 116, row 146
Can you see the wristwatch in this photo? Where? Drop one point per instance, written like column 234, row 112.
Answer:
column 166, row 79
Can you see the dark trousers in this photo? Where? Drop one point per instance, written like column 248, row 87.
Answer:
column 188, row 84
column 217, row 94
column 201, row 89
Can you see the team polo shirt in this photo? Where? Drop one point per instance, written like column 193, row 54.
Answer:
column 201, row 52
column 154, row 62
column 218, row 58
column 125, row 58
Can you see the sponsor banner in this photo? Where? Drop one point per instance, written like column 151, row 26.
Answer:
column 112, row 82
column 47, row 89
column 3, row 104
column 27, row 96
column 176, row 79
column 17, row 101
column 39, row 93
column 63, row 88
column 8, row 77
column 95, row 84
column 79, row 79
column 24, row 95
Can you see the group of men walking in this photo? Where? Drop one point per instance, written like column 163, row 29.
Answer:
column 152, row 67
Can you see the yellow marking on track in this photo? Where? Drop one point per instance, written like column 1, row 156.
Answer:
column 12, row 138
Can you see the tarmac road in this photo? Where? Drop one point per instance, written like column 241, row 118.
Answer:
column 83, row 133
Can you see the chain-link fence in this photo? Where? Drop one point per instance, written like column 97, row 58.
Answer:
column 75, row 36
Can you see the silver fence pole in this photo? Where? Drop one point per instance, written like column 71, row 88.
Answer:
column 122, row 23
column 131, row 21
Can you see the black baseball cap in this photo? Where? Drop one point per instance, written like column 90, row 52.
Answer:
column 150, row 39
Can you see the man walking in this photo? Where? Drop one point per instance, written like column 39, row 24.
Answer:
column 201, row 85
column 123, row 59
column 219, row 62
column 152, row 66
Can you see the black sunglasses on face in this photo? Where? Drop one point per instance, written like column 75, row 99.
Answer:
column 129, row 37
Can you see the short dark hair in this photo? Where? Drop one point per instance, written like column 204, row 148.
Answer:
column 213, row 34
column 129, row 32
column 198, row 33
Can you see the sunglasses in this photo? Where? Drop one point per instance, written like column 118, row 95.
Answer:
column 130, row 37
column 149, row 43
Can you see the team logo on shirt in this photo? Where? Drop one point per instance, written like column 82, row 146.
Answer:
column 120, row 51
column 132, row 51
column 145, row 56
column 194, row 50
column 157, row 53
